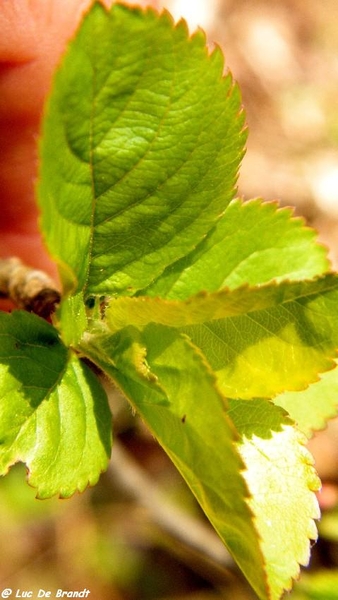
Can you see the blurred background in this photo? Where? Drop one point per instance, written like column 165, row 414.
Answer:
column 139, row 535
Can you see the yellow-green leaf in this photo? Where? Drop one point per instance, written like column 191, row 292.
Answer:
column 282, row 480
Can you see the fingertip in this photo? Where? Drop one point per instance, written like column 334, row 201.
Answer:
column 18, row 32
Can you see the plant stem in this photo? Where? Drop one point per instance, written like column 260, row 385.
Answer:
column 182, row 527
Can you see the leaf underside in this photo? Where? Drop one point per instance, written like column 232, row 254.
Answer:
column 55, row 415
column 281, row 478
column 249, row 348
column 169, row 384
column 314, row 406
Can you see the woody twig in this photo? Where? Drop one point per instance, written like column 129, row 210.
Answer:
column 28, row 288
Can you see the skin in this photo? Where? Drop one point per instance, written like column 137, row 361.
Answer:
column 33, row 35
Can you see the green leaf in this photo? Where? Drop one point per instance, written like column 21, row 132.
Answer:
column 313, row 407
column 270, row 351
column 282, row 481
column 204, row 307
column 260, row 341
column 253, row 243
column 141, row 144
column 54, row 412
column 168, row 382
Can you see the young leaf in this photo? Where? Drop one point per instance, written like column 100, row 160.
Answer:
column 141, row 144
column 204, row 307
column 313, row 407
column 170, row 385
column 282, row 480
column 247, row 333
column 270, row 351
column 253, row 243
column 54, row 412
